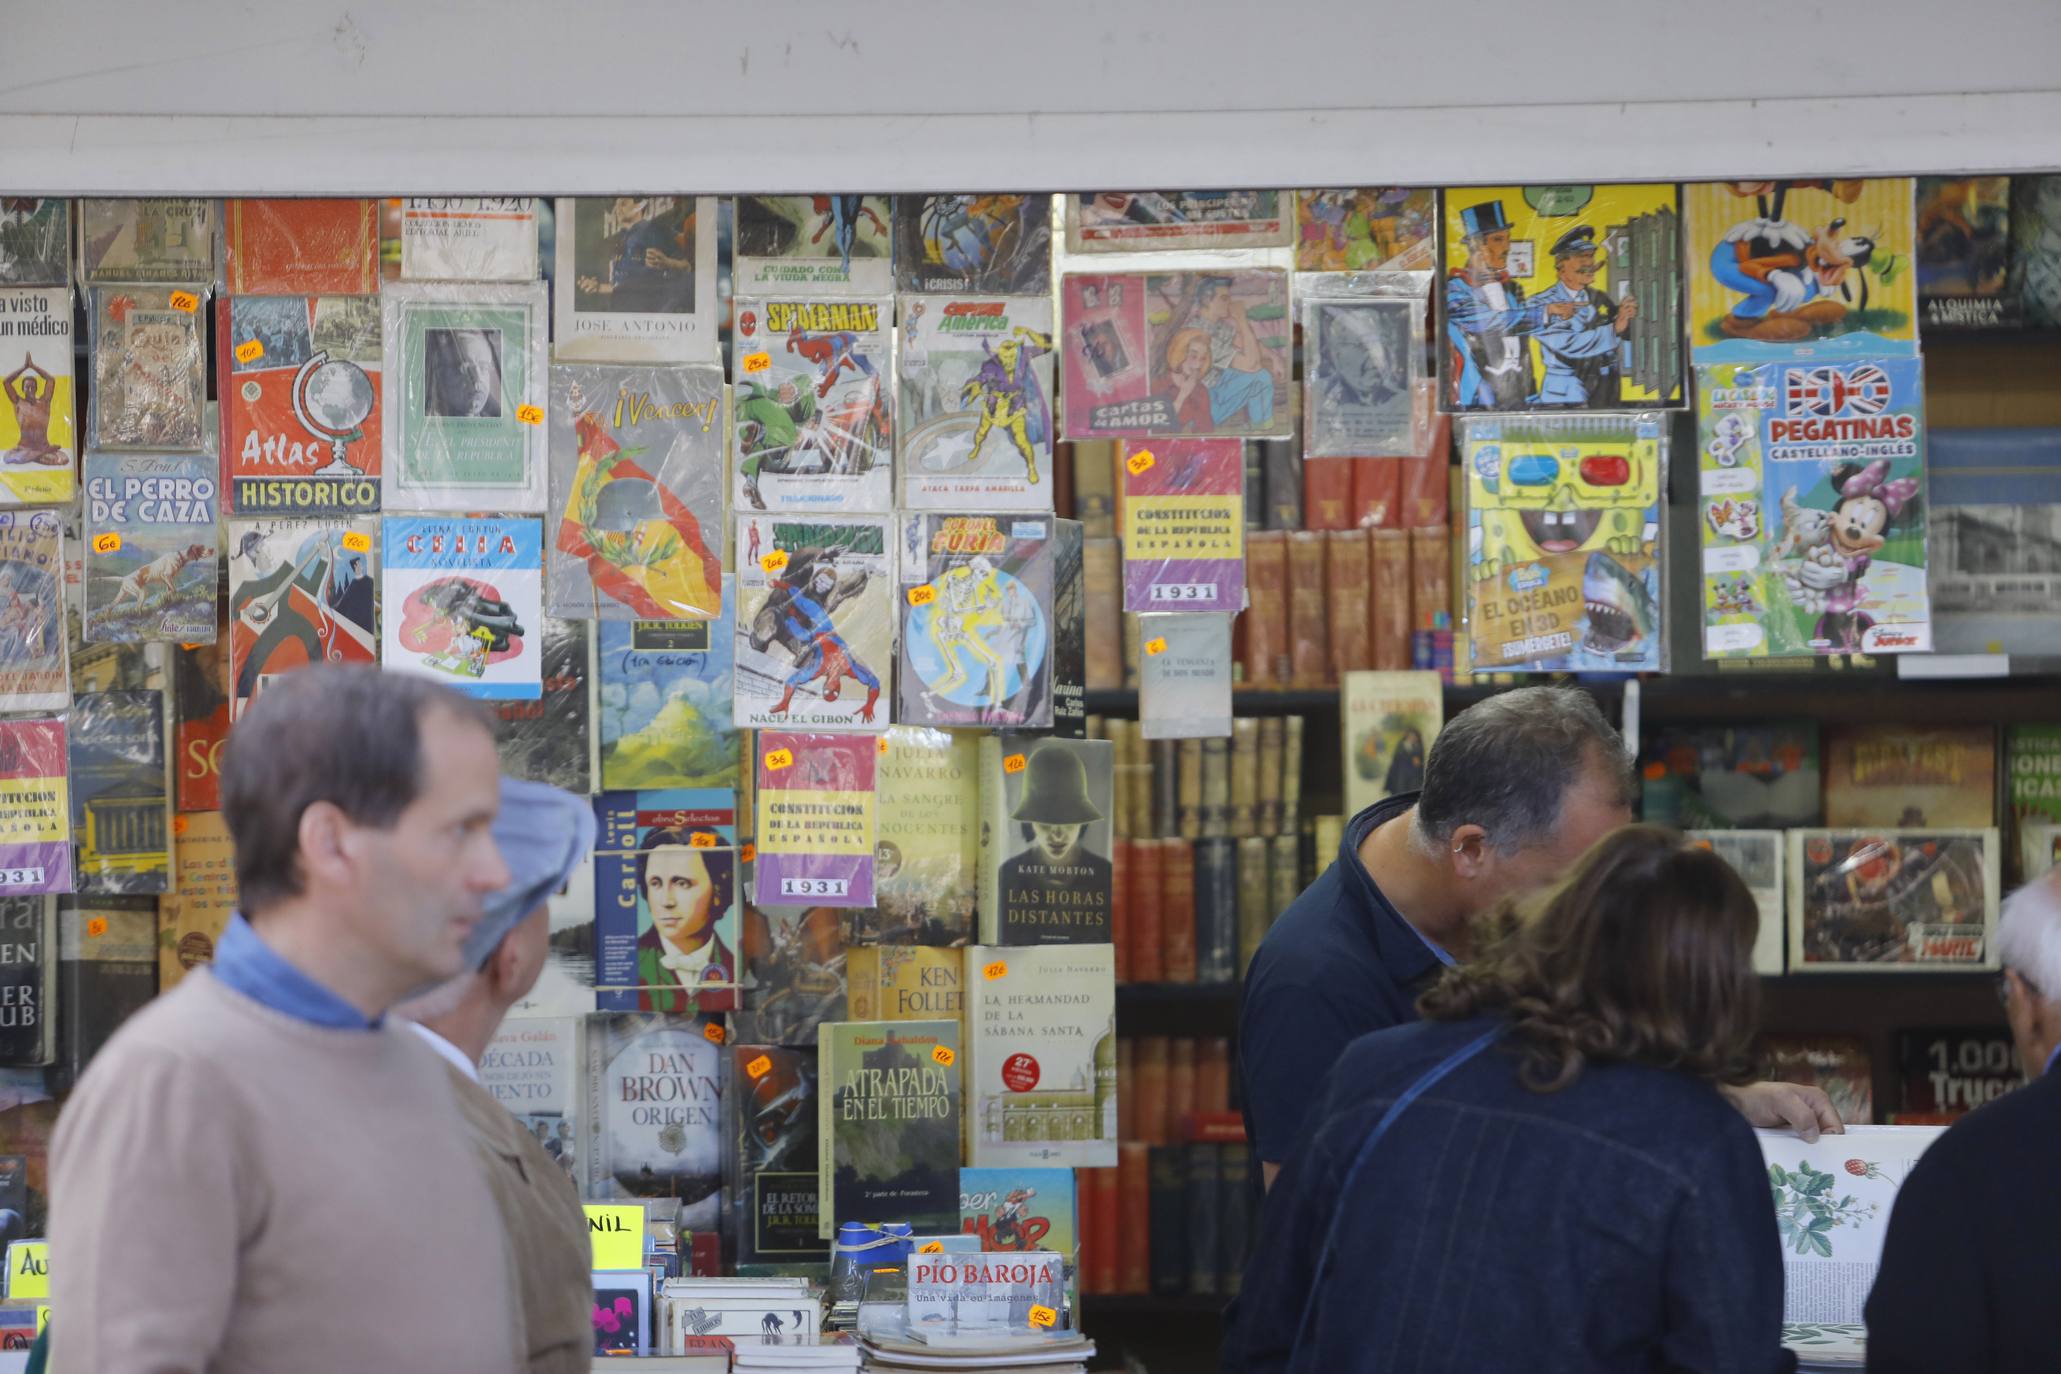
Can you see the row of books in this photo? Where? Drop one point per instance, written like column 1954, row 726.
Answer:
column 1194, row 911
column 1169, row 1219
column 1942, row 1072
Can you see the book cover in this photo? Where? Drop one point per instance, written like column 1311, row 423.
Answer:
column 469, row 238
column 192, row 916
column 36, row 241
column 301, row 384
column 1366, row 229
column 300, row 246
column 666, row 901
column 1041, row 1055
column 977, row 242
column 106, row 973
column 1184, row 675
column 815, row 819
column 1911, row 776
column 1390, row 721
column 776, row 1198
column 38, row 398
column 1833, row 1200
column 1014, row 1210
column 147, row 239
column 152, row 562
column 1964, row 253
column 2032, row 760
column 812, row 404
column 1201, row 353
column 928, row 784
column 149, row 368
column 622, row 1313
column 1134, row 1241
column 1759, row 858
column 565, row 987
column 1840, row 1064
column 904, row 983
column 1812, row 481
column 974, row 387
column 121, row 792
column 1892, row 900
column 1565, row 553
column 1183, row 525
column 838, row 245
column 301, row 592
column 551, row 739
column 1772, row 265
column 976, row 628
column 795, row 965
column 1044, row 840
column 1955, row 1068
column 28, row 980
column 888, row 1127
column 636, row 278
column 1132, row 221
column 636, row 492
column 463, row 603
column 1764, row 776
column 463, row 398
column 815, row 621
column 1562, row 297
column 1363, row 364
column 664, row 704
column 1992, row 536
column 532, row 1068
column 959, row 1294
column 34, row 670
column 654, row 1114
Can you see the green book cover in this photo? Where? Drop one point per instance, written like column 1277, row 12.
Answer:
column 2034, row 756
column 888, row 1117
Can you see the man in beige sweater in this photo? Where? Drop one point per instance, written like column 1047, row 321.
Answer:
column 543, row 833
column 260, row 1172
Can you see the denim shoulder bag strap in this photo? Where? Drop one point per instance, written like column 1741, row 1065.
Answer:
column 1299, row 1353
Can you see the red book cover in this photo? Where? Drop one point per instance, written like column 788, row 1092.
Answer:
column 1177, row 911
column 1120, row 906
column 301, row 247
column 705, row 1255
column 1377, row 492
column 1180, row 1080
column 1108, row 1226
column 1148, row 911
column 1134, row 1189
column 300, row 403
column 1154, row 1062
column 1327, row 493
column 1213, row 1127
column 1266, row 619
column 200, row 699
column 1425, row 487
column 1348, row 579
column 1309, row 642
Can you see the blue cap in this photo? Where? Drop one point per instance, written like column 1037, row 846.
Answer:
column 543, row 833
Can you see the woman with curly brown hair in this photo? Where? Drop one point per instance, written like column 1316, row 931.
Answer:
column 1542, row 1175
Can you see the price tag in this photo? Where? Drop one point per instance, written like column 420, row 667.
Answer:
column 998, row 969
column 107, row 543
column 777, row 759
column 748, row 853
column 923, row 595
column 759, row 1068
column 250, row 351
column 943, row 1055
column 179, row 825
column 28, row 1270
column 931, row 1247
column 356, row 542
column 714, row 1033
column 185, row 302
column 97, row 926
column 1013, row 764
column 758, row 362
column 1140, row 463
column 616, row 1231
column 530, row 415
column 701, row 839
column 774, row 561
column 1155, row 646
column 1042, row 1316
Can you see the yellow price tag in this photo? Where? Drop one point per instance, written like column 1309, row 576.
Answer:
column 1155, row 646
column 748, row 853
column 923, row 595
column 616, row 1231
column 28, row 1270
column 530, row 415
column 759, row 1068
column 356, row 542
column 998, row 969
column 1140, row 462
column 777, row 759
column 758, row 362
column 185, row 302
column 931, row 1247
column 774, row 561
column 1041, row 1316
column 1013, row 764
column 249, row 351
column 883, row 744
column 943, row 1054
column 107, row 543
column 714, row 1033
column 701, row 839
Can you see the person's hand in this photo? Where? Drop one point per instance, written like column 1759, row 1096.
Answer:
column 1561, row 310
column 1627, row 311
column 1786, row 1107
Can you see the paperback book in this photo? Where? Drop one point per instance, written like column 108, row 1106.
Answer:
column 301, row 592
column 1366, row 229
column 1130, row 221
column 978, row 242
column 1911, row 776
column 34, row 675
column 149, row 368
column 1045, row 836
column 464, row 396
column 664, row 704
column 121, row 792
column 815, row 621
column 1759, row 858
column 815, row 819
column 469, row 238
column 106, row 973
column 28, row 981
column 200, row 724
column 666, row 901
column 193, row 915
column 794, row 973
column 976, row 608
column 300, row 403
column 928, row 784
column 1363, row 363
column 1183, row 525
column 974, row 387
column 636, row 278
column 463, row 603
column 1041, row 1056
column 836, row 245
column 1390, row 721
column 532, row 1068
column 775, row 1192
column 812, row 404
column 153, row 239
column 36, row 241
column 888, row 1125
column 904, row 983
column 654, row 1114
column 1013, row 1210
column 152, row 562
column 300, row 246
column 1892, row 900
column 1964, row 253
column 551, row 740
column 1184, row 675
column 38, row 399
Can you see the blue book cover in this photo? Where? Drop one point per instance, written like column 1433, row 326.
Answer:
column 664, row 709
column 1024, row 1209
column 463, row 603
column 666, row 900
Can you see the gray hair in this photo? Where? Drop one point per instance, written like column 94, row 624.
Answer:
column 1505, row 764
column 2029, row 935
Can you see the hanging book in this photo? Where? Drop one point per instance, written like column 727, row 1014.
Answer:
column 929, row 790
column 1183, row 525
column 300, row 403
column 1390, row 721
column 815, row 622
column 794, row 974
column 33, row 672
column 904, row 983
column 636, row 278
column 28, row 981
column 1129, row 221
column 836, row 245
column 812, row 404
column 1046, row 805
column 463, row 425
column 665, row 927
column 152, row 565
column 469, row 238
column 974, row 380
column 664, row 704
column 815, row 819
column 38, row 434
column 200, row 723
column 121, row 792
column 551, row 739
column 888, row 1124
column 463, row 602
column 976, row 608
column 300, row 246
column 1367, row 229
column 147, row 239
column 35, row 241
column 1892, row 900
column 636, row 492
column 301, row 592
column 655, row 1124
column 566, row 986
column 532, row 1067
column 1964, row 253
column 1184, row 675
column 1363, row 363
column 35, row 822
column 1000, row 243
column 1041, row 1056
column 771, row 1155
column 149, row 368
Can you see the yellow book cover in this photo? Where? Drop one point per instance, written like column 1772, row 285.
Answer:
column 902, row 983
column 192, row 916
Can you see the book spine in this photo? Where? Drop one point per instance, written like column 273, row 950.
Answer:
column 1431, row 566
column 1134, row 1185
column 1094, row 488
column 1253, row 896
column 1126, row 1087
column 1216, row 787
column 1377, row 489
column 993, row 827
column 1281, row 461
column 1254, row 485
column 1291, row 775
column 1166, row 799
column 1153, row 1062
column 1141, row 781
column 1148, row 911
column 1120, row 906
column 1234, row 1208
column 1270, row 775
column 1427, row 480
column 1130, row 643
column 1069, row 637
column 1189, row 789
column 1063, row 502
column 1327, row 493
column 1084, row 1232
column 1216, row 910
column 591, row 1086
column 1177, row 883
column 1213, row 1075
column 1102, row 566
column 1205, row 1217
column 1167, row 1217
column 1309, row 651
column 1117, row 730
column 1390, row 609
column 1180, row 1085
column 1266, row 618
column 1109, row 1224
column 1284, row 875
column 1346, row 576
column 1244, row 817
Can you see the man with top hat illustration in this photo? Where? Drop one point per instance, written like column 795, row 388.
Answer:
column 1058, row 873
column 1488, row 319
column 1581, row 351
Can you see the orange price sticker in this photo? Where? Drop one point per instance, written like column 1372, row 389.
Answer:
column 1042, row 1316
column 998, row 969
column 883, row 744
column 758, row 1068
column 931, row 1247
column 701, row 839
column 178, row 825
column 1140, row 462
column 1013, row 764
column 715, row 1032
column 1155, row 646
column 774, row 561
column 758, row 362
column 97, row 926
column 530, row 415
column 185, row 302
column 250, row 351
column 943, row 1055
column 923, row 595
column 356, row 542
column 777, row 759
column 748, row 853
column 107, row 543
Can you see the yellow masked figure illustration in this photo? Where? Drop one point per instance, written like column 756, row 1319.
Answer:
column 970, row 604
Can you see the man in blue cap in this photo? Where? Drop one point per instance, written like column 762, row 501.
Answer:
column 542, row 833
column 1580, row 351
column 1488, row 318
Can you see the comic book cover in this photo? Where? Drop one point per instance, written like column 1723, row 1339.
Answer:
column 928, row 783
column 1564, row 555
column 200, row 723
column 775, row 1191
column 1128, row 221
column 815, row 819
column 301, row 592
column 38, row 438
column 149, row 368
column 812, row 404
column 664, row 704
column 976, row 608
column 974, row 383
column 1561, row 297
column 1892, row 900
column 1015, row 1209
column 637, row 492
column 35, row 241
column 815, row 621
column 1157, row 353
column 1812, row 482
column 1367, row 229
column 35, row 807
column 34, row 674
column 817, row 245
column 1759, row 858
column 1761, row 776
column 551, row 739
column 469, row 238
column 121, row 792
column 1773, row 264
column 463, row 598
column 794, row 974
column 1184, row 525
column 300, row 403
column 1363, row 363
column 464, row 395
column 300, row 247
column 636, row 278
column 1390, row 721
column 147, row 239
column 1964, row 253
column 1912, row 776
column 1993, row 541
column 666, row 900
column 152, row 563
column 994, row 244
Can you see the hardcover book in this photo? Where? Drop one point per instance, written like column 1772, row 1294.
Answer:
column 775, row 1194
column 1839, row 1064
column 636, row 278
column 1041, row 1056
column 1366, row 229
column 301, row 592
column 469, row 238
column 664, row 704
column 34, row 673
column 36, row 241
column 300, row 246
column 1390, row 721
column 1759, row 858
column 928, row 784
column 812, row 404
column 38, row 398
column 904, row 983
column 837, row 245
column 997, row 243
column 1184, row 525
column 666, row 901
column 1892, row 900
column 532, row 1068
column 1908, row 776
column 1130, row 221
column 463, row 603
column 191, row 917
column 636, row 492
column 1044, row 840
column 149, row 368
column 152, row 562
column 301, row 384
column 815, row 819
column 1955, row 1069
column 121, row 793
column 106, row 973
column 1833, row 1200
column 654, row 1114
column 1363, row 364
column 147, row 239
column 888, row 1125
column 1725, row 777
column 976, row 620
column 815, row 621
column 28, row 980
column 974, row 387
column 551, row 739
column 463, row 398
column 795, row 965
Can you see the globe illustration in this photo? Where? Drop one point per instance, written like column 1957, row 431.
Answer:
column 339, row 396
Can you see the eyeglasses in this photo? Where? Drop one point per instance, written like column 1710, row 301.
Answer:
column 1544, row 469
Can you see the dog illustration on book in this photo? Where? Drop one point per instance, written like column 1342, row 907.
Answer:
column 160, row 574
